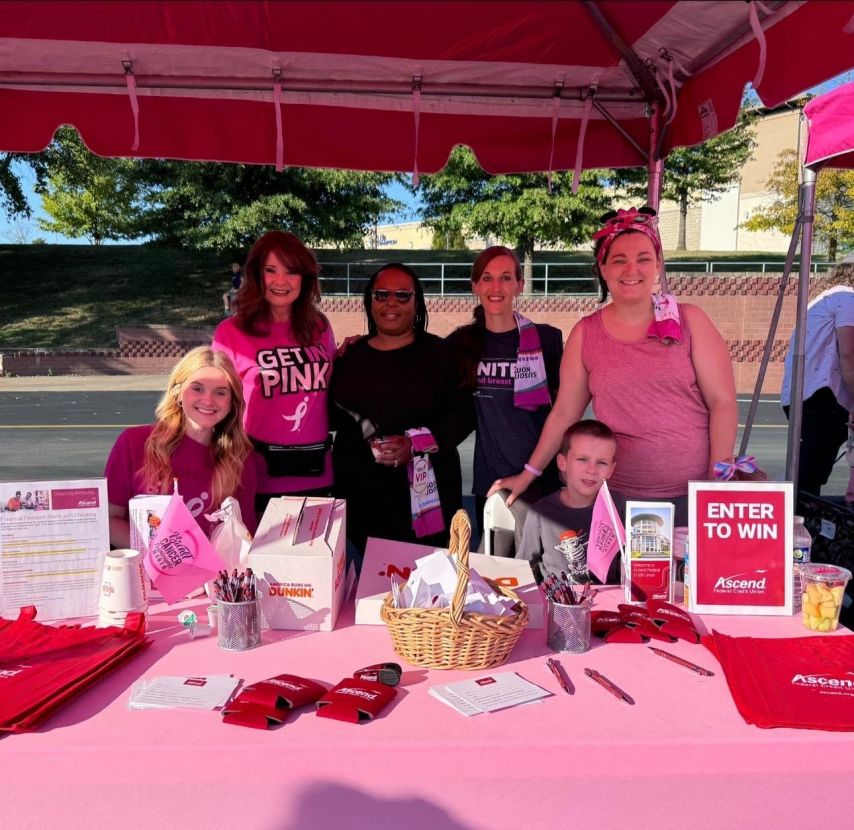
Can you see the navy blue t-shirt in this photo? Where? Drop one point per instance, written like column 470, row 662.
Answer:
column 506, row 436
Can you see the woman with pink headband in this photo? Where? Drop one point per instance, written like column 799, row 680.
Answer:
column 657, row 371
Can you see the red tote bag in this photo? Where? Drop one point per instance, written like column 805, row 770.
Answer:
column 43, row 666
column 799, row 682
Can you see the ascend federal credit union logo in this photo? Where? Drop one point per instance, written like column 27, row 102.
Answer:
column 744, row 583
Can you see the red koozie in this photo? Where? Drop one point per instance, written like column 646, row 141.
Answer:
column 355, row 700
column 663, row 612
column 601, row 622
column 284, row 691
column 681, row 632
column 624, row 634
column 800, row 682
column 253, row 716
column 633, row 614
column 649, row 629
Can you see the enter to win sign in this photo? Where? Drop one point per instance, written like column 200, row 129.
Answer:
column 740, row 547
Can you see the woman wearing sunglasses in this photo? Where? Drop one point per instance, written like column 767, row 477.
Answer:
column 511, row 366
column 397, row 412
column 657, row 371
column 283, row 347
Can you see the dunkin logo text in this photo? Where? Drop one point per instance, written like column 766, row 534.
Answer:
column 280, row 589
column 171, row 552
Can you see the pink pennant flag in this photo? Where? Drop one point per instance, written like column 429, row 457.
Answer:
column 607, row 535
column 180, row 557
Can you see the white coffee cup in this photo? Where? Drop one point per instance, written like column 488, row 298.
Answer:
column 122, row 587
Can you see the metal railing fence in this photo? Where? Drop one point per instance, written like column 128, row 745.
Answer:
column 549, row 278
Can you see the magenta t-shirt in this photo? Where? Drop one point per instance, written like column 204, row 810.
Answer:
column 647, row 393
column 285, row 387
column 193, row 466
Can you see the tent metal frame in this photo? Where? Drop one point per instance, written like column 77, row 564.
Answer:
column 645, row 91
column 803, row 234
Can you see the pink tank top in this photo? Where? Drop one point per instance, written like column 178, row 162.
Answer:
column 647, row 393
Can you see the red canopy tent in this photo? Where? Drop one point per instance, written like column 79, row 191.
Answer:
column 530, row 86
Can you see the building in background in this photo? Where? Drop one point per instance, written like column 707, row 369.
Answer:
column 712, row 226
column 716, row 226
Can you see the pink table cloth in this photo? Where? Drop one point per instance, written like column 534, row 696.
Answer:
column 681, row 757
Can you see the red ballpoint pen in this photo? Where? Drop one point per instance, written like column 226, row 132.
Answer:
column 607, row 684
column 681, row 662
column 554, row 668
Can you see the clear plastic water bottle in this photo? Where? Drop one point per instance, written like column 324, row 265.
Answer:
column 801, row 548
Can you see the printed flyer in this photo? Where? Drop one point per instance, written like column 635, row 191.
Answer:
column 650, row 547
column 740, row 547
column 53, row 539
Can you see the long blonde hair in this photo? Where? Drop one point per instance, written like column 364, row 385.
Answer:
column 230, row 445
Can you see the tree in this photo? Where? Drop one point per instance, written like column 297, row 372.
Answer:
column 227, row 206
column 697, row 174
column 834, row 203
column 12, row 198
column 518, row 208
column 448, row 237
column 19, row 230
column 86, row 195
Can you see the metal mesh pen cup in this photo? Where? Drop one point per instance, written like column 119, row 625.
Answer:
column 569, row 627
column 239, row 627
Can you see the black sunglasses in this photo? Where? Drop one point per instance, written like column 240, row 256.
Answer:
column 381, row 295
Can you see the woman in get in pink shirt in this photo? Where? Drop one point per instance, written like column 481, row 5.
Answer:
column 665, row 387
column 283, row 348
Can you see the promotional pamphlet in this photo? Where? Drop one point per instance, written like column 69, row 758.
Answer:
column 205, row 692
column 488, row 694
column 53, row 539
column 649, row 564
column 740, row 545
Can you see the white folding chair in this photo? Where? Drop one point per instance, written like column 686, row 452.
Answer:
column 496, row 516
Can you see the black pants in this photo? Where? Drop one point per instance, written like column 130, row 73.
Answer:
column 824, row 428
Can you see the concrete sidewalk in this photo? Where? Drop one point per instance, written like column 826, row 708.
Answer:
column 85, row 383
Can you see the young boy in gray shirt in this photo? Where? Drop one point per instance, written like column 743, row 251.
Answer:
column 557, row 527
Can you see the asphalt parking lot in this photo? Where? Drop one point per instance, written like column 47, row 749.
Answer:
column 63, row 427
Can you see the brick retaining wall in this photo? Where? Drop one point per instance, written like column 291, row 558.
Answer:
column 740, row 306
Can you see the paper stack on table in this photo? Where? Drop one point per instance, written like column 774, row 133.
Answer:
column 488, row 694
column 433, row 582
column 211, row 692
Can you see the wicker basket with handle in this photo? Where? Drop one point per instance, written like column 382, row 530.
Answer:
column 451, row 638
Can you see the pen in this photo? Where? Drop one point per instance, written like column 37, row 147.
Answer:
column 555, row 669
column 607, row 684
column 681, row 662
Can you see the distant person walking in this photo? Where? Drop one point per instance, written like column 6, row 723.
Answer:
column 828, row 397
column 230, row 296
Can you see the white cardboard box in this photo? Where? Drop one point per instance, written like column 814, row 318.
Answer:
column 384, row 558
column 298, row 556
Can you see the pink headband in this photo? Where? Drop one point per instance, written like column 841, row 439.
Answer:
column 627, row 220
